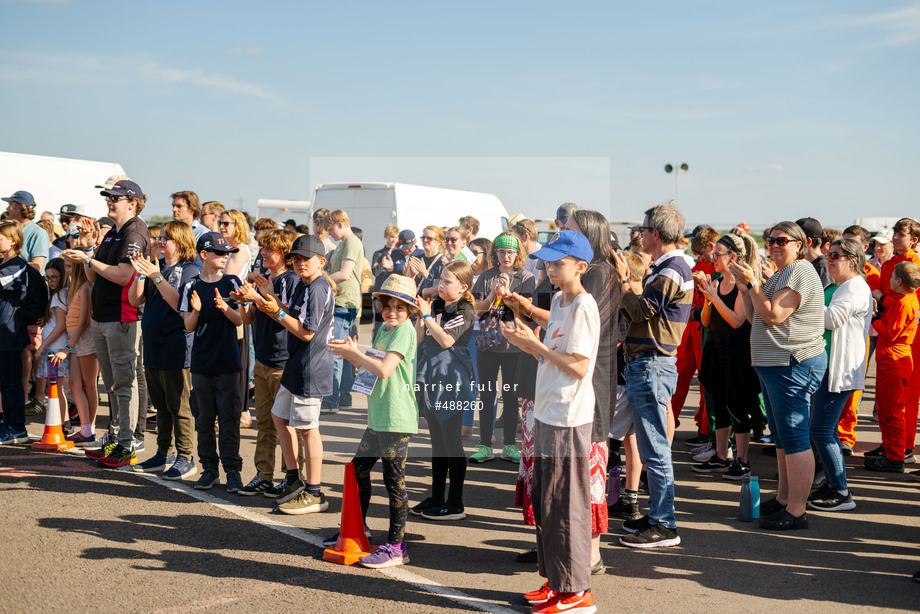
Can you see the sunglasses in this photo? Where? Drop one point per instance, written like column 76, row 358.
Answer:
column 779, row 241
column 644, row 228
column 224, row 223
column 453, row 239
column 477, row 253
column 834, row 256
column 427, row 239
column 113, row 199
column 506, row 252
column 162, row 240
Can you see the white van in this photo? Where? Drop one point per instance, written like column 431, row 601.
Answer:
column 57, row 181
column 371, row 206
column 284, row 210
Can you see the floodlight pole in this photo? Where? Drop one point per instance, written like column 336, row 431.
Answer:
column 682, row 168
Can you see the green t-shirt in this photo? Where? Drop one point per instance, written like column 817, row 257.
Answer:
column 828, row 295
column 391, row 407
column 349, row 291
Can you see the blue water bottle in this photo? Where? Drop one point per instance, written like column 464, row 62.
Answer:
column 747, row 500
column 755, row 497
column 613, row 485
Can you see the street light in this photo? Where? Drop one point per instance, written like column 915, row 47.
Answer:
column 683, row 168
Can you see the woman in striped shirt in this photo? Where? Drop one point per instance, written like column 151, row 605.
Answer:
column 787, row 351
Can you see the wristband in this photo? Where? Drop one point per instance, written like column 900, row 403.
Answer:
column 426, row 316
column 141, row 277
column 750, row 285
column 88, row 250
column 280, row 315
column 529, row 313
column 70, row 349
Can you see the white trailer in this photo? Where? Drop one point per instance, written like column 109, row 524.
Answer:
column 283, row 210
column 56, row 181
column 371, row 206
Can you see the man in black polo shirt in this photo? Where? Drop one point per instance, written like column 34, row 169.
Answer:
column 115, row 331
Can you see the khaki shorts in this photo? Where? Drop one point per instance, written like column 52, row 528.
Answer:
column 300, row 412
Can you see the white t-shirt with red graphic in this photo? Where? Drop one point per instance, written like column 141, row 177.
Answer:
column 562, row 400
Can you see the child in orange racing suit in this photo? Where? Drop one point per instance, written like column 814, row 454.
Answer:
column 897, row 327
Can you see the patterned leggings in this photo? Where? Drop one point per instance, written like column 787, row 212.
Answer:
column 392, row 448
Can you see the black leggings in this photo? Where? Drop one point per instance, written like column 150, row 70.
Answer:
column 392, row 448
column 488, row 365
column 447, row 456
column 731, row 405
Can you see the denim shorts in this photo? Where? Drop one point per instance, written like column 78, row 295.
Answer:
column 787, row 395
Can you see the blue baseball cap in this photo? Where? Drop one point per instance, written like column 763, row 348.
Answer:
column 22, row 197
column 565, row 243
column 215, row 242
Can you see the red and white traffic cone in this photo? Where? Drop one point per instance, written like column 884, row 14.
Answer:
column 53, row 439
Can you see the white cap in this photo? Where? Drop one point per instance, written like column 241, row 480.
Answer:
column 884, row 236
column 94, row 210
column 111, row 181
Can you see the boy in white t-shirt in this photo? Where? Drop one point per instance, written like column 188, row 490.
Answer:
column 563, row 416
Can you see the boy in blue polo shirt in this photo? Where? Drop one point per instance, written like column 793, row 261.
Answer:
column 213, row 317
column 563, row 416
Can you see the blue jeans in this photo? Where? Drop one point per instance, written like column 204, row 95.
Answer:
column 650, row 383
column 826, row 408
column 787, row 393
column 343, row 320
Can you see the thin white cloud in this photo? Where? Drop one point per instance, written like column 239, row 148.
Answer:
column 91, row 69
column 669, row 116
column 902, row 26
column 766, row 168
column 238, row 49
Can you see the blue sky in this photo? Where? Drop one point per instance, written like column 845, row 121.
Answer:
column 781, row 109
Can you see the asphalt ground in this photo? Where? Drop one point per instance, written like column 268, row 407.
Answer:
column 78, row 537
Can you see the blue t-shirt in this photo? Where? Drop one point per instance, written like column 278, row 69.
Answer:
column 215, row 350
column 269, row 338
column 163, row 327
column 35, row 242
column 308, row 372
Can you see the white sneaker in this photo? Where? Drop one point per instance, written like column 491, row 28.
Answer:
column 704, row 453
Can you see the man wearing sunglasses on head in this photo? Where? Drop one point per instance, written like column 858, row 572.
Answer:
column 115, row 332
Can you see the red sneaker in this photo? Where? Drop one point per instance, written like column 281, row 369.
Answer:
column 542, row 595
column 567, row 603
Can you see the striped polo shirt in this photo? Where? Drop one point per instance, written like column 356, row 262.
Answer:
column 660, row 314
column 801, row 335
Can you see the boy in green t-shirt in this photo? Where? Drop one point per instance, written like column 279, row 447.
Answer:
column 392, row 412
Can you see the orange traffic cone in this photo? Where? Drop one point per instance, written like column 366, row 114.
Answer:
column 352, row 543
column 53, row 439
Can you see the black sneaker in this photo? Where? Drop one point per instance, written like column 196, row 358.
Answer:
column 527, row 557
column 909, row 456
column 915, row 474
column 846, row 450
column 831, row 501
column 444, row 512
column 637, row 525
column 275, row 491
column 875, row 452
column 737, row 471
column 699, row 440
column 623, row 509
column 424, row 505
column 881, row 463
column 653, row 537
column 783, row 521
column 823, row 492
column 713, row 465
column 256, row 485
column 234, row 483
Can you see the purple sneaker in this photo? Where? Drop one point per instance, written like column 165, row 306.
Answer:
column 387, row 555
column 80, row 440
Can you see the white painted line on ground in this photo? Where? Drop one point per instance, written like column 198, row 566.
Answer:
column 397, row 573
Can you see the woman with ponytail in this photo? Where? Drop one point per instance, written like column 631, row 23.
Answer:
column 725, row 368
